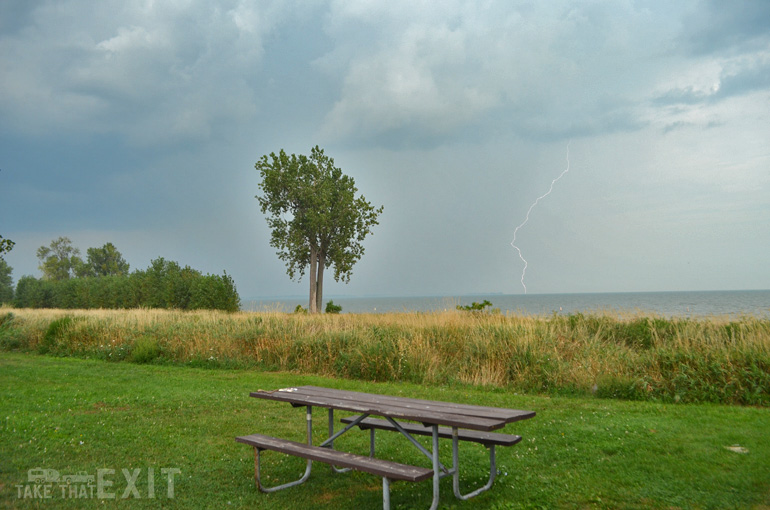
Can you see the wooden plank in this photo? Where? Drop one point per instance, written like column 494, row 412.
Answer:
column 405, row 413
column 485, row 438
column 462, row 409
column 379, row 467
column 426, row 411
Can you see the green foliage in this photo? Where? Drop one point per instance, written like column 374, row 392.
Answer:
column 105, row 261
column 619, row 386
column 6, row 245
column 55, row 332
column 33, row 293
column 9, row 338
column 165, row 284
column 5, row 320
column 475, row 307
column 145, row 350
column 332, row 308
column 6, row 282
column 300, row 309
column 317, row 221
column 212, row 292
column 60, row 260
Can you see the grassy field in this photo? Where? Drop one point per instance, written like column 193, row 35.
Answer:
column 77, row 415
column 637, row 357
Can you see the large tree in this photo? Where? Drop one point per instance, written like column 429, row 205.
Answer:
column 317, row 220
column 60, row 260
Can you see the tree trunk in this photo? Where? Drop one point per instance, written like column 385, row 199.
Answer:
column 319, row 301
column 312, row 306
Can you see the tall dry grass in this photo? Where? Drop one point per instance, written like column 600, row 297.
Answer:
column 637, row 356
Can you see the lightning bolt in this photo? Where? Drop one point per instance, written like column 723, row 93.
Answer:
column 513, row 243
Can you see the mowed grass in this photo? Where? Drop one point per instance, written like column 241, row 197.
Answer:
column 77, row 415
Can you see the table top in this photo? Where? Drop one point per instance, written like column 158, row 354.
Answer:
column 427, row 412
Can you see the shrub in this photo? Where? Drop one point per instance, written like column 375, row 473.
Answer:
column 332, row 308
column 475, row 307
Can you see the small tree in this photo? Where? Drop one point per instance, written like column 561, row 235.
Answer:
column 332, row 308
column 475, row 307
column 60, row 260
column 106, row 261
column 315, row 216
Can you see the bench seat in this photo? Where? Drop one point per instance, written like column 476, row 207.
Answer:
column 486, row 438
column 379, row 467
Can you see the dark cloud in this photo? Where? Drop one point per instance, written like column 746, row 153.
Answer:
column 737, row 83
column 15, row 15
column 744, row 81
column 718, row 27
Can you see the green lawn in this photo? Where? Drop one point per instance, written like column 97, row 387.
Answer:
column 77, row 415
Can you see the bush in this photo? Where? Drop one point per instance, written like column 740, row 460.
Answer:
column 332, row 308
column 475, row 307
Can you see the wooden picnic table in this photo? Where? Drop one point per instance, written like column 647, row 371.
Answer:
column 460, row 422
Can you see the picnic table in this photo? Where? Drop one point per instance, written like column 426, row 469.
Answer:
column 408, row 416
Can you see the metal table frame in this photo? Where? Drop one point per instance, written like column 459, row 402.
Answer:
column 439, row 470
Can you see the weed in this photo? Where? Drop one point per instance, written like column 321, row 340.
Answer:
column 9, row 338
column 635, row 357
column 55, row 332
column 145, row 350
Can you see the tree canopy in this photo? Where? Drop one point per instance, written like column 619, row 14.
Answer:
column 317, row 221
column 60, row 260
column 6, row 245
column 105, row 261
column 6, row 282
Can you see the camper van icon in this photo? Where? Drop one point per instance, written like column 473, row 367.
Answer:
column 42, row 475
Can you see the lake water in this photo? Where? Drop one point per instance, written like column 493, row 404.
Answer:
column 666, row 304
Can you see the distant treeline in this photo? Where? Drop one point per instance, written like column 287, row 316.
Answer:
column 165, row 284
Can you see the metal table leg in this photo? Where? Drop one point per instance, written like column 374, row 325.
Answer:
column 436, row 472
column 308, row 468
column 456, row 469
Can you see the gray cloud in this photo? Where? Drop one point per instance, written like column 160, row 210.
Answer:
column 162, row 73
column 715, row 27
column 547, row 70
column 139, row 123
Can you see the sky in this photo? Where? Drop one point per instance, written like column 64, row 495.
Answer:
column 138, row 122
